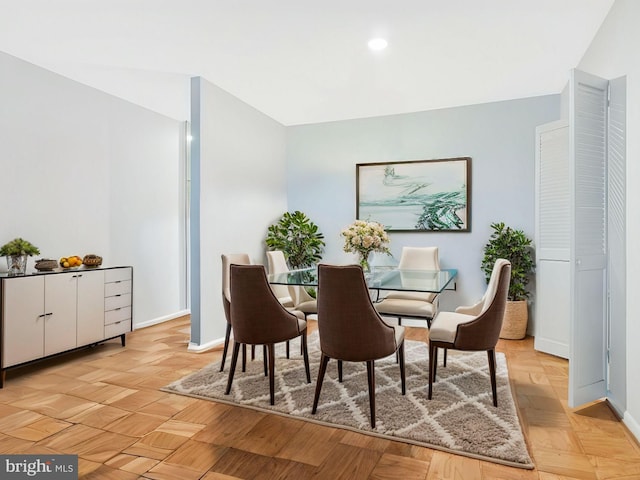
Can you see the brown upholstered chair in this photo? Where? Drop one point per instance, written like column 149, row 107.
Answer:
column 296, row 297
column 257, row 318
column 350, row 328
column 473, row 328
column 227, row 260
column 418, row 305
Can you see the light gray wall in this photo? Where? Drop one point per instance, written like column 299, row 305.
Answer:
column 499, row 137
column 612, row 54
column 241, row 188
column 86, row 172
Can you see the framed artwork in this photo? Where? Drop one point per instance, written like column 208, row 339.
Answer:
column 416, row 196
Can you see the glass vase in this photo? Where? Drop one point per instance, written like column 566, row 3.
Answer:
column 364, row 262
column 17, row 264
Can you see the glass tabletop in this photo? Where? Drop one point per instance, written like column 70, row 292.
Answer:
column 379, row 278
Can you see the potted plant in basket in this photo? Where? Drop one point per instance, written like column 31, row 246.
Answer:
column 17, row 251
column 515, row 246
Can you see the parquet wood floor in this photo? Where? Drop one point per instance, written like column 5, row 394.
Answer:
column 104, row 404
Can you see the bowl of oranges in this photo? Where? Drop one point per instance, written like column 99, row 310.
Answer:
column 70, row 262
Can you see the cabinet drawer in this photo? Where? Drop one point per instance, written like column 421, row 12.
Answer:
column 118, row 301
column 117, row 288
column 113, row 316
column 115, row 329
column 117, row 275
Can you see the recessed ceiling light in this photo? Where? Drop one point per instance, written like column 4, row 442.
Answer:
column 377, row 44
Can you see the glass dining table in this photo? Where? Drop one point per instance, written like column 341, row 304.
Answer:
column 379, row 278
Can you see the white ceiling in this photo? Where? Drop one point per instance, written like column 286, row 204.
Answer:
column 304, row 62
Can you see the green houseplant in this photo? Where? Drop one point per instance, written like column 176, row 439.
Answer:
column 515, row 246
column 299, row 239
column 17, row 251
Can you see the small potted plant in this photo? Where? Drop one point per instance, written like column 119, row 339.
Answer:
column 515, row 246
column 17, row 251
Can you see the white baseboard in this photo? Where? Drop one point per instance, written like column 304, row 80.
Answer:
column 632, row 425
column 552, row 347
column 166, row 318
column 193, row 347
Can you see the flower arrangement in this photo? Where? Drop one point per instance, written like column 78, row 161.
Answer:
column 364, row 237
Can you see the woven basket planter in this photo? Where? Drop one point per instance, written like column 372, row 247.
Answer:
column 516, row 316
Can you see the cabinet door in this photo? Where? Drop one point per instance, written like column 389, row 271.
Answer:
column 90, row 318
column 23, row 320
column 60, row 293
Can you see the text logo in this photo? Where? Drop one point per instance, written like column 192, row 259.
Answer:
column 52, row 467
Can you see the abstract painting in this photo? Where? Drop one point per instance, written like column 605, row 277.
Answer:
column 421, row 195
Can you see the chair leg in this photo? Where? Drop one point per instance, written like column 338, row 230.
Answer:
column 444, row 363
column 287, row 348
column 340, row 371
column 264, row 360
column 324, row 360
column 403, row 377
column 244, row 358
column 371, row 377
column 272, row 367
column 234, row 361
column 432, row 353
column 492, row 370
column 253, row 352
column 305, row 354
column 226, row 345
column 435, row 363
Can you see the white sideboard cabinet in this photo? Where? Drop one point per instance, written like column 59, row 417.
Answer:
column 44, row 314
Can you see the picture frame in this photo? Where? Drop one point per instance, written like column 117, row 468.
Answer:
column 416, row 195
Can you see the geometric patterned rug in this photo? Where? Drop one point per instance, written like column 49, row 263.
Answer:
column 459, row 419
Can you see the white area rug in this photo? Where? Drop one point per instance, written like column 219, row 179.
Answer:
column 460, row 418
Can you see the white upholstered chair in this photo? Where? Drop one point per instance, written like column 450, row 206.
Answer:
column 413, row 304
column 473, row 328
column 276, row 263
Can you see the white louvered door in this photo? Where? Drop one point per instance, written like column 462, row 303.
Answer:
column 552, row 239
column 616, row 161
column 588, row 245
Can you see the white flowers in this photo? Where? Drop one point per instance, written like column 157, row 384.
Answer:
column 365, row 237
